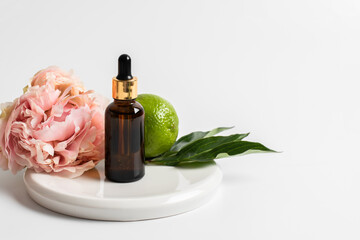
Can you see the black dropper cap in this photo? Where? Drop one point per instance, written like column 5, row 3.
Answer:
column 124, row 68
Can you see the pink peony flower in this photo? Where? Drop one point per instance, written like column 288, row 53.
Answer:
column 54, row 127
column 58, row 79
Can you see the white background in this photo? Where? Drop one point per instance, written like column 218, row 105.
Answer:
column 287, row 71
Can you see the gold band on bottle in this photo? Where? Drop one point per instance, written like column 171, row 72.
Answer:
column 124, row 89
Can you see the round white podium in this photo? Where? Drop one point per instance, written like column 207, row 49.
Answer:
column 162, row 192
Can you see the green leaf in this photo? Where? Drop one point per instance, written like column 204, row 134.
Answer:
column 199, row 148
column 232, row 149
column 205, row 150
column 185, row 140
column 25, row 89
column 216, row 131
column 206, row 144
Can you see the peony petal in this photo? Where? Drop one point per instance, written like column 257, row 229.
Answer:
column 3, row 161
column 74, row 171
column 72, row 150
column 48, row 148
column 60, row 131
column 6, row 109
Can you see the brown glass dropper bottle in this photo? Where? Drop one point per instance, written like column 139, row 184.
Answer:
column 124, row 128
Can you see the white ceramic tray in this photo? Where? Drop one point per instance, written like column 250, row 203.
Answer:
column 164, row 191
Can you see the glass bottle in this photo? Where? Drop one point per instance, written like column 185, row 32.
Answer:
column 124, row 128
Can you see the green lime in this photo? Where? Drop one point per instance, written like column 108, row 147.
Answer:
column 161, row 124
